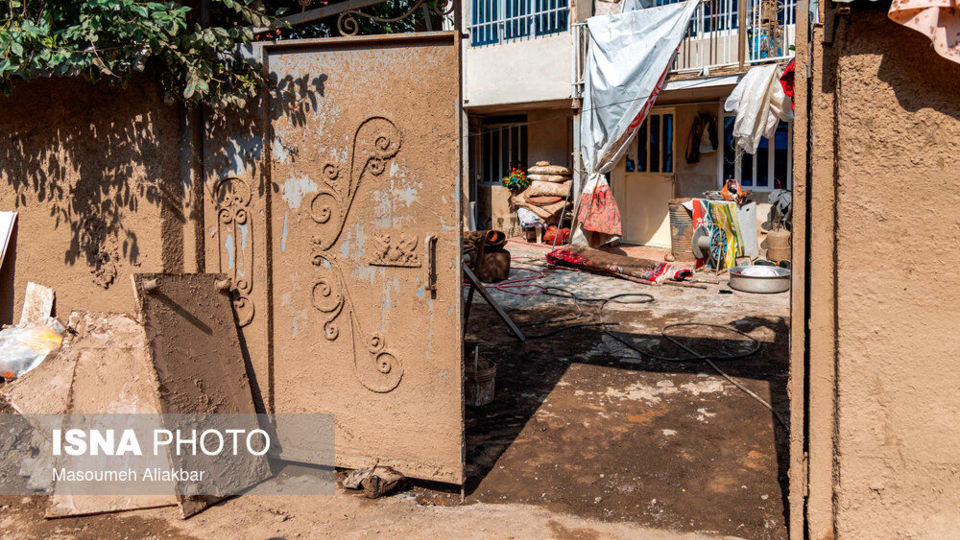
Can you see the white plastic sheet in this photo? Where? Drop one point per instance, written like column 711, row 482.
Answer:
column 7, row 220
column 627, row 60
column 632, row 5
column 628, row 57
column 760, row 104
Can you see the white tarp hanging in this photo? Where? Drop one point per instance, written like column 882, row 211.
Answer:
column 760, row 104
column 628, row 57
column 631, row 5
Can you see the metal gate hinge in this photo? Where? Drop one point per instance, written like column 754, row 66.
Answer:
column 430, row 253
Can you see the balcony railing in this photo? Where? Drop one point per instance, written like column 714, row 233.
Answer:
column 725, row 33
column 722, row 34
column 497, row 21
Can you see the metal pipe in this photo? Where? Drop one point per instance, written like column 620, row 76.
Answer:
column 741, row 31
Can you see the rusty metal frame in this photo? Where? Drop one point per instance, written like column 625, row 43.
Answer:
column 349, row 10
column 333, row 42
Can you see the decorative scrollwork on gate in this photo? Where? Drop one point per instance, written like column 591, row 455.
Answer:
column 232, row 196
column 348, row 25
column 379, row 370
column 375, row 142
column 326, row 294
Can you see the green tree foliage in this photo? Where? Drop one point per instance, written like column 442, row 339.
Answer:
column 195, row 61
column 113, row 39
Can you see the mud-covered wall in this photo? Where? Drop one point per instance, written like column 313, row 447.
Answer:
column 549, row 137
column 236, row 229
column 890, row 147
column 98, row 176
column 814, row 195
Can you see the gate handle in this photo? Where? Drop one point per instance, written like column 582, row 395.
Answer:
column 430, row 246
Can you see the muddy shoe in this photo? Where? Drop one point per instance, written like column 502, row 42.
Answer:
column 382, row 481
column 376, row 481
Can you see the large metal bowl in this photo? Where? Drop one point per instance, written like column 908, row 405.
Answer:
column 777, row 282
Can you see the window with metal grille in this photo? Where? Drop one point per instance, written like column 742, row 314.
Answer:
column 495, row 21
column 503, row 144
column 770, row 168
column 655, row 144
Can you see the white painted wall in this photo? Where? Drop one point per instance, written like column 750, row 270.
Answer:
column 524, row 71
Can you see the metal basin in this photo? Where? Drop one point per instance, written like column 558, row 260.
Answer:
column 760, row 279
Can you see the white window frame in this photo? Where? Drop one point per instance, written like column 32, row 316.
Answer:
column 635, row 148
column 506, row 129
column 788, row 185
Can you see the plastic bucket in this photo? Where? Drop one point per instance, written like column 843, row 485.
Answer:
column 479, row 386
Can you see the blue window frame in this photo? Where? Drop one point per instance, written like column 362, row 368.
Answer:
column 494, row 21
column 484, row 29
column 770, row 168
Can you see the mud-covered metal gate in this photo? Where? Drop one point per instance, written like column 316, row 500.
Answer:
column 335, row 207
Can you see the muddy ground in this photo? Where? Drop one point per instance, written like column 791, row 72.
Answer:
column 586, row 438
column 584, row 424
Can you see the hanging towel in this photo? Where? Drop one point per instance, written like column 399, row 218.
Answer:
column 702, row 138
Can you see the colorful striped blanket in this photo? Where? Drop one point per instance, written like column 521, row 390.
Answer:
column 720, row 215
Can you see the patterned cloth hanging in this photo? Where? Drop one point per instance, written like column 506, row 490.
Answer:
column 599, row 211
column 939, row 20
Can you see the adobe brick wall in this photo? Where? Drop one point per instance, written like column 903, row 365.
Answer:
column 885, row 118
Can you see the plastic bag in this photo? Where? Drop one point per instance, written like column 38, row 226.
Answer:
column 24, row 348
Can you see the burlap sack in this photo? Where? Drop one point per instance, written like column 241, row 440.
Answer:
column 494, row 266
column 543, row 200
column 488, row 257
column 547, row 189
column 544, row 167
column 549, row 177
column 545, row 213
column 549, row 211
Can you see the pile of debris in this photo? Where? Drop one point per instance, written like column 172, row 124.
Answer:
column 181, row 355
column 38, row 334
column 548, row 194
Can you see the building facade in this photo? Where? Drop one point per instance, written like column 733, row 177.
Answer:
column 523, row 77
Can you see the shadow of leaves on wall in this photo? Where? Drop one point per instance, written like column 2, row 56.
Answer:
column 91, row 156
column 96, row 158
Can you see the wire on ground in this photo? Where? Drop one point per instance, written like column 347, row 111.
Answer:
column 526, row 286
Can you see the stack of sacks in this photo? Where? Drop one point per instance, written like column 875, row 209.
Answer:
column 547, row 193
